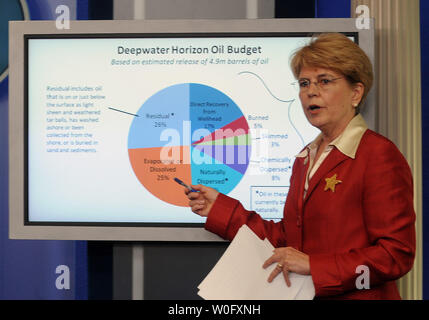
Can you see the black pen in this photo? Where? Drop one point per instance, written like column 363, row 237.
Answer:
column 185, row 185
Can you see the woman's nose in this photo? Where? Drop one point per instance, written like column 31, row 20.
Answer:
column 313, row 89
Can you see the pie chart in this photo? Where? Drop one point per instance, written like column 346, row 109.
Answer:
column 189, row 131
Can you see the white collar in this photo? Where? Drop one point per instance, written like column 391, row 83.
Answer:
column 347, row 142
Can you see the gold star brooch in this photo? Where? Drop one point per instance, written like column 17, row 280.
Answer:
column 331, row 182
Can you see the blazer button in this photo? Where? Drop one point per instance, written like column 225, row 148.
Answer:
column 298, row 222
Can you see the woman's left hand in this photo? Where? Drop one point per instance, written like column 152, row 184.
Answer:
column 288, row 259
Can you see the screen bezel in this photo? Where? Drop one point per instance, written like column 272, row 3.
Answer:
column 27, row 38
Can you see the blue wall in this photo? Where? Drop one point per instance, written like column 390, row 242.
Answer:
column 10, row 10
column 27, row 268
column 332, row 8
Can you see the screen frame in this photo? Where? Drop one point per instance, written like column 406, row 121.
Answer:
column 27, row 38
column 21, row 32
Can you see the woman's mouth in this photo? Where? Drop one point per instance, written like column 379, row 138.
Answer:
column 313, row 107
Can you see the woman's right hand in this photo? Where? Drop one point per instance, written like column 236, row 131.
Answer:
column 201, row 202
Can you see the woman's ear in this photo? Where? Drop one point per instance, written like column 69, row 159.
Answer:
column 358, row 90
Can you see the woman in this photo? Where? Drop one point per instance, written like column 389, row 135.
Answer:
column 350, row 202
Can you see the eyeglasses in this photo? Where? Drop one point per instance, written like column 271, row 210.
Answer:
column 322, row 83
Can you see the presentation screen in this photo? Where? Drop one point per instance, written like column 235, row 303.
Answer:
column 112, row 120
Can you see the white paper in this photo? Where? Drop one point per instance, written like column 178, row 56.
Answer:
column 238, row 275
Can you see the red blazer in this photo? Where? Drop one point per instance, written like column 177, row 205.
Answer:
column 368, row 220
